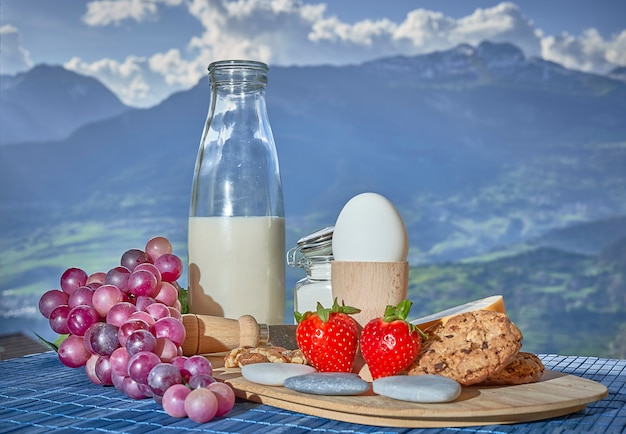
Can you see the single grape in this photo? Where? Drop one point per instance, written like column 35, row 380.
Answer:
column 140, row 340
column 81, row 296
column 120, row 313
column 72, row 352
column 140, row 365
column 87, row 339
column 73, row 278
column 133, row 257
column 105, row 297
column 175, row 313
column 157, row 246
column 103, row 338
column 142, row 283
column 103, row 370
column 58, row 319
column 200, row 380
column 118, row 276
column 148, row 266
column 179, row 361
column 142, row 302
column 201, row 405
column 158, row 311
column 197, row 365
column 98, row 277
column 144, row 316
column 170, row 266
column 225, row 397
column 119, row 361
column 118, row 381
column 129, row 327
column 80, row 318
column 169, row 328
column 93, row 285
column 90, row 370
column 162, row 377
column 166, row 293
column 174, row 400
column 186, row 375
column 52, row 299
column 166, row 349
column 134, row 390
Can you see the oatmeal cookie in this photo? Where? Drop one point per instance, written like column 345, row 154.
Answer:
column 242, row 356
column 525, row 368
column 469, row 347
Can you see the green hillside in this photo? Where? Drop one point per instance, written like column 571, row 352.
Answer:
column 564, row 303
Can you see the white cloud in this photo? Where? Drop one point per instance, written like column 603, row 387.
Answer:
column 589, row 52
column 140, row 81
column 13, row 57
column 128, row 79
column 502, row 23
column 176, row 70
column 105, row 12
column 288, row 32
column 425, row 31
column 273, row 31
column 616, row 51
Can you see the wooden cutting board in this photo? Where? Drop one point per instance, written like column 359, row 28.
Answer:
column 555, row 395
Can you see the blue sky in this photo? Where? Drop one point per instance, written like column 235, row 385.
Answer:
column 144, row 50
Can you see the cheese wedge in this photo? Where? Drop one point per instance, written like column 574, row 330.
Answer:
column 494, row 303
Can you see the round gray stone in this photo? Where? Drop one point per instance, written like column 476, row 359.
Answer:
column 418, row 388
column 273, row 374
column 328, row 383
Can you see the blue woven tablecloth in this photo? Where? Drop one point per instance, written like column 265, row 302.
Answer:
column 38, row 394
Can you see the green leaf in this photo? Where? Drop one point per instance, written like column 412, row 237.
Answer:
column 183, row 297
column 399, row 312
column 298, row 316
column 54, row 346
column 322, row 312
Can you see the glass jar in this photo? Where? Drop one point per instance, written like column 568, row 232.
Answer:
column 236, row 235
column 313, row 253
column 316, row 286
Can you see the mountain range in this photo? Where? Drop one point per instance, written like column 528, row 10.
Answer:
column 49, row 103
column 477, row 146
column 485, row 152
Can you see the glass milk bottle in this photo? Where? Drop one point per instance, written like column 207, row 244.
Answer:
column 236, row 235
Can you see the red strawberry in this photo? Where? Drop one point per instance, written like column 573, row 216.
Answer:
column 390, row 344
column 329, row 338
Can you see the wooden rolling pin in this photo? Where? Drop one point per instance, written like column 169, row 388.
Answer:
column 206, row 334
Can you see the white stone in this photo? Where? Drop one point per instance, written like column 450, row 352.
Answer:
column 274, row 374
column 418, row 388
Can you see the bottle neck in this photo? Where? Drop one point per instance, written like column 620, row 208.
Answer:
column 238, row 98
column 237, row 170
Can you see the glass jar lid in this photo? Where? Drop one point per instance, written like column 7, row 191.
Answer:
column 318, row 243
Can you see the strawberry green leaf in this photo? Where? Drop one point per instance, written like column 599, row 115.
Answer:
column 322, row 312
column 298, row 316
column 399, row 312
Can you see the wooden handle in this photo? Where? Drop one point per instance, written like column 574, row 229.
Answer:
column 369, row 286
column 206, row 334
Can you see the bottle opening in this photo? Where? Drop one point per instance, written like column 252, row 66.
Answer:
column 238, row 71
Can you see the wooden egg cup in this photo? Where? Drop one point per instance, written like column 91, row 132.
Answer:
column 369, row 286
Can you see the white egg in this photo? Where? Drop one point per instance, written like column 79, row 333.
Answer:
column 370, row 229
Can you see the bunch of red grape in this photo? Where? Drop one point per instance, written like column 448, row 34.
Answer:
column 125, row 328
